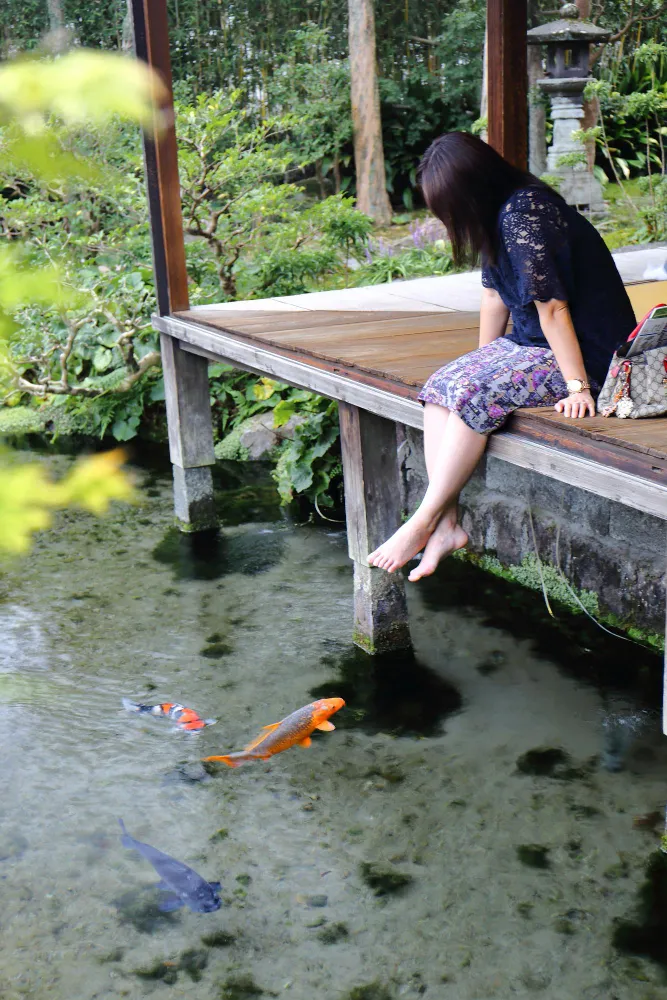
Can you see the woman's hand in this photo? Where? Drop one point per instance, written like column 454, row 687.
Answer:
column 579, row 404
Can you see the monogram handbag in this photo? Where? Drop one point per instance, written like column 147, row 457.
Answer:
column 635, row 386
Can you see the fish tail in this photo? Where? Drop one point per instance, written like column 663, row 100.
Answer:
column 131, row 706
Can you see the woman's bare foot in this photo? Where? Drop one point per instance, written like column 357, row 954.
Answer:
column 403, row 545
column 447, row 538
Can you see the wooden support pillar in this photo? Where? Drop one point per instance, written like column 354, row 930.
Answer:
column 185, row 375
column 507, row 23
column 373, row 509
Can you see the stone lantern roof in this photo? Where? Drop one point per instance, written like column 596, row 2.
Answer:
column 567, row 29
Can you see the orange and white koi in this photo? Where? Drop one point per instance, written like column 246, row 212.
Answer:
column 295, row 729
column 184, row 718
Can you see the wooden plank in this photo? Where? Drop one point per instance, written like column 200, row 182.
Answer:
column 646, row 436
column 640, row 488
column 508, row 79
column 372, row 510
column 151, row 34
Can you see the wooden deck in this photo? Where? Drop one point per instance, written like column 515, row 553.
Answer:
column 377, row 360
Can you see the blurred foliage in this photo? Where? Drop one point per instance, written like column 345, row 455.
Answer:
column 79, row 87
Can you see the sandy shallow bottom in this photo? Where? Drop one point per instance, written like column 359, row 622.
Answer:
column 92, row 616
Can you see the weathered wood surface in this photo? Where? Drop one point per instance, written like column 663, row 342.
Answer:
column 508, row 79
column 151, row 35
column 373, row 512
column 190, row 435
column 384, row 379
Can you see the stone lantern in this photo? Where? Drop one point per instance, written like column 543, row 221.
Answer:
column 567, row 42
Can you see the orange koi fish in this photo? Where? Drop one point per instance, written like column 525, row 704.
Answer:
column 185, row 718
column 296, row 728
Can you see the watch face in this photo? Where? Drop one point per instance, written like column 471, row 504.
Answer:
column 574, row 385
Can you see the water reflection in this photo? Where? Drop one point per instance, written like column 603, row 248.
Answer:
column 459, row 836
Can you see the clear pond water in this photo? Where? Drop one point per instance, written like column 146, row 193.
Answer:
column 460, row 836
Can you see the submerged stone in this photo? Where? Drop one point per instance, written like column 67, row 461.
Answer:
column 533, row 855
column 389, row 693
column 240, row 987
column 647, row 934
column 384, row 880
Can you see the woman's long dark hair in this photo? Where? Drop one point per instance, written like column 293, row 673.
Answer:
column 465, row 184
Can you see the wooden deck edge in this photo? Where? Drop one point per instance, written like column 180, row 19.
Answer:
column 562, row 464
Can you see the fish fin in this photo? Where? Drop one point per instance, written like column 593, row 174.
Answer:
column 306, row 742
column 215, row 886
column 130, row 706
column 259, row 739
column 325, row 726
column 126, row 840
column 164, row 886
column 274, row 725
column 231, row 760
column 210, row 722
column 169, row 904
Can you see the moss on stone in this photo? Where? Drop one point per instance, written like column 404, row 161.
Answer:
column 559, row 590
column 333, row 934
column 241, row 987
column 369, row 991
column 533, row 855
column 384, row 880
column 218, row 939
column 18, row 420
column 193, row 961
column 230, row 448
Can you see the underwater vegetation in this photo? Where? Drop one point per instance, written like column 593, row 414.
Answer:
column 389, row 693
column 371, row 991
column 384, row 880
column 553, row 762
column 333, row 933
column 210, row 555
column 140, row 908
column 647, row 933
column 533, row 855
column 241, row 987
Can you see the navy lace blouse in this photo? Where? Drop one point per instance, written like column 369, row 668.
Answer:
column 547, row 250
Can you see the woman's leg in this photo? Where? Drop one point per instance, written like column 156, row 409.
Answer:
column 452, row 451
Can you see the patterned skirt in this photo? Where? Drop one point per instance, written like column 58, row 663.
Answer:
column 485, row 386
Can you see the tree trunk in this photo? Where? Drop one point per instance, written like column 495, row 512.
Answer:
column 372, row 197
column 590, row 107
column 56, row 18
column 127, row 43
column 537, row 140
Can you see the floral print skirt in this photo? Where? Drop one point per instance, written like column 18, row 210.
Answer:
column 485, row 386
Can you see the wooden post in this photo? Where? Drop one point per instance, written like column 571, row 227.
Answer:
column 185, row 375
column 373, row 509
column 507, row 23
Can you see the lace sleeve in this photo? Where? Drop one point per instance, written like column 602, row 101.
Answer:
column 534, row 232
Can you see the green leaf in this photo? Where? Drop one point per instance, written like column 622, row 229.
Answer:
column 102, row 359
column 125, row 428
column 282, row 412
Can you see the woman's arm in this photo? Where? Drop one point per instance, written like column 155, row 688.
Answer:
column 493, row 316
column 558, row 329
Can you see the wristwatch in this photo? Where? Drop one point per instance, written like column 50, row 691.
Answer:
column 575, row 385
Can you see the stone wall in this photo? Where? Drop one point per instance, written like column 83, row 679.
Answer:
column 601, row 547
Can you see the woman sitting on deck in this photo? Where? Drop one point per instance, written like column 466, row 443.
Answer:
column 545, row 264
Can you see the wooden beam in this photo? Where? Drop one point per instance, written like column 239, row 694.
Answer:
column 507, row 23
column 151, row 35
column 602, row 478
column 373, row 513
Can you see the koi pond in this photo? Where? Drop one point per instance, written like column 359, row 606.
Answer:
column 484, row 821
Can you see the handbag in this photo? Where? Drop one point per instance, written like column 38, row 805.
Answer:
column 637, row 386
